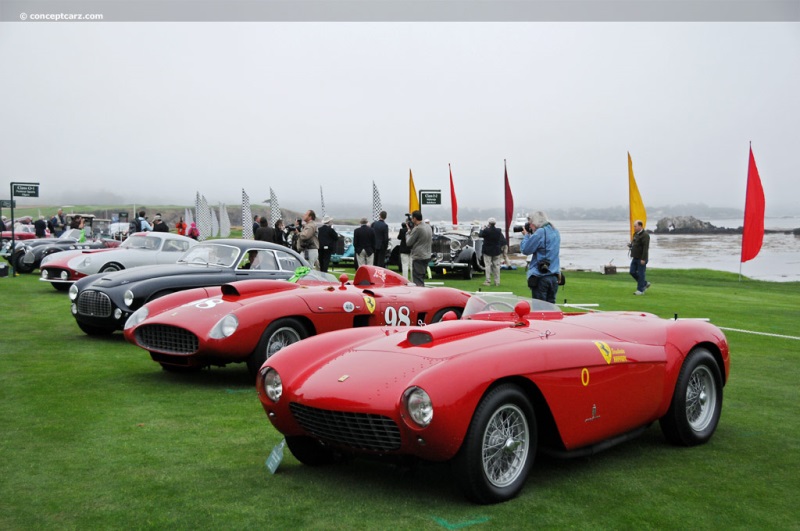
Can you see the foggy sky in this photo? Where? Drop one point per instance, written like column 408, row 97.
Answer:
column 154, row 112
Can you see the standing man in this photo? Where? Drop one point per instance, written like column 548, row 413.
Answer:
column 381, row 230
column 419, row 239
column 543, row 242
column 143, row 224
column 493, row 243
column 364, row 244
column 307, row 241
column 404, row 249
column 264, row 232
column 327, row 243
column 40, row 226
column 58, row 222
column 640, row 249
column 159, row 225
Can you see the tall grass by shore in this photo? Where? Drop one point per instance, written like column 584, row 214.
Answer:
column 95, row 435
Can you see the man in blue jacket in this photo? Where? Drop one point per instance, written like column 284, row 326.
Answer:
column 543, row 241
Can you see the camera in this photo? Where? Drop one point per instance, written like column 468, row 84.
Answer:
column 544, row 266
column 290, row 228
column 526, row 229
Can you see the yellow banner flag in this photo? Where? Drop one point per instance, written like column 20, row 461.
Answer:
column 636, row 206
column 413, row 198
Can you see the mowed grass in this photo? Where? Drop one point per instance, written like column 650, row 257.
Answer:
column 95, row 435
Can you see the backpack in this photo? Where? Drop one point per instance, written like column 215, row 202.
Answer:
column 135, row 226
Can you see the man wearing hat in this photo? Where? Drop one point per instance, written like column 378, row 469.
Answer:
column 159, row 225
column 327, row 242
column 493, row 243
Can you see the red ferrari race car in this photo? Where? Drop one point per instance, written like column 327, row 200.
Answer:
column 250, row 320
column 486, row 392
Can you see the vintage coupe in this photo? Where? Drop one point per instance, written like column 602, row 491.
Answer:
column 486, row 392
column 142, row 248
column 249, row 321
column 102, row 303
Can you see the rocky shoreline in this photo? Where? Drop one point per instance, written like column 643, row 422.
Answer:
column 692, row 225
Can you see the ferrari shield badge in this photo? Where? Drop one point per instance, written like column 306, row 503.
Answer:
column 605, row 350
column 617, row 355
column 370, row 302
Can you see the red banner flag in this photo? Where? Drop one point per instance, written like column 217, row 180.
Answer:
column 509, row 201
column 753, row 229
column 453, row 202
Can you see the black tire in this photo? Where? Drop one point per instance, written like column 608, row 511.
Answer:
column 20, row 266
column 477, row 263
column 113, row 266
column 310, row 451
column 61, row 286
column 438, row 315
column 277, row 335
column 468, row 272
column 95, row 330
column 697, row 401
column 505, row 421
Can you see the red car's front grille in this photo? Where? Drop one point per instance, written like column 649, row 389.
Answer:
column 362, row 431
column 94, row 303
column 168, row 339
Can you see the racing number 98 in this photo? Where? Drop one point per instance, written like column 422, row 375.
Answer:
column 397, row 316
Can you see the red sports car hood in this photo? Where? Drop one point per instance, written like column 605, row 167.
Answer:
column 381, row 369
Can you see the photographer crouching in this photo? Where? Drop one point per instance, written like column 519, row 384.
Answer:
column 543, row 241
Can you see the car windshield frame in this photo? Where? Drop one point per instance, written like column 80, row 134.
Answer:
column 143, row 242
column 201, row 254
column 488, row 303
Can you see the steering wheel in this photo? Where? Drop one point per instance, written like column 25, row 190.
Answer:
column 497, row 305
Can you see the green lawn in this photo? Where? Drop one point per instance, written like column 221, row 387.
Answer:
column 95, row 435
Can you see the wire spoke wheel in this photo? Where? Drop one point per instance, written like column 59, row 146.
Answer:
column 281, row 338
column 700, row 398
column 505, row 445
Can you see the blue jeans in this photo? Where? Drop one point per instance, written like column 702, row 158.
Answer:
column 544, row 288
column 638, row 270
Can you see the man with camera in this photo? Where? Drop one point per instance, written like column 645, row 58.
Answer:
column 543, row 241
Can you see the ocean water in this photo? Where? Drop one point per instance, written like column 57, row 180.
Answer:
column 589, row 245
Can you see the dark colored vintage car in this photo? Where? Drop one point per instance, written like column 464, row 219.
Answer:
column 28, row 255
column 457, row 253
column 102, row 303
column 511, row 379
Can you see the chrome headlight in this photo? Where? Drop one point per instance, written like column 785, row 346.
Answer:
column 225, row 327
column 127, row 298
column 348, row 242
column 273, row 386
column 137, row 317
column 73, row 289
column 419, row 406
column 455, row 245
column 64, row 275
column 46, row 275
